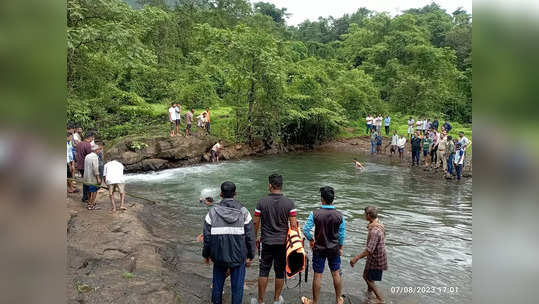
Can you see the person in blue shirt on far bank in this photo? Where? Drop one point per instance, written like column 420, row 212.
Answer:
column 327, row 243
column 387, row 120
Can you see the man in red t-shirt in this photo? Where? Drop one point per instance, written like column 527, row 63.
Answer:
column 83, row 148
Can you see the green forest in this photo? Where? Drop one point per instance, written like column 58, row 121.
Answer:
column 265, row 80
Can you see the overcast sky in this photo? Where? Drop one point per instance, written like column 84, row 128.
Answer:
column 301, row 10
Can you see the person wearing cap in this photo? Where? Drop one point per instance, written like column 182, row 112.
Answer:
column 91, row 176
column 329, row 227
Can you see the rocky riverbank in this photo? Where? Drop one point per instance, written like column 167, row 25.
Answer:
column 140, row 154
column 143, row 255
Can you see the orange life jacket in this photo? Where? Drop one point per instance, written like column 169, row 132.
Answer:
column 295, row 253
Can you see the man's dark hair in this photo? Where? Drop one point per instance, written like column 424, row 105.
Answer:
column 228, row 189
column 276, row 181
column 209, row 199
column 371, row 212
column 461, row 133
column 172, row 103
column 68, row 134
column 449, row 137
column 328, row 194
column 88, row 134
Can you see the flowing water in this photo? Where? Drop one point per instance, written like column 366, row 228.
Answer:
column 428, row 221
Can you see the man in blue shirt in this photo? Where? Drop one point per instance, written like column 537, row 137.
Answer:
column 386, row 124
column 327, row 244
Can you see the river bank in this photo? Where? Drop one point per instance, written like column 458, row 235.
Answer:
column 141, row 154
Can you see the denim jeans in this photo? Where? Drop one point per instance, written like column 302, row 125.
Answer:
column 459, row 171
column 237, row 279
column 369, row 127
column 450, row 163
column 415, row 156
column 373, row 147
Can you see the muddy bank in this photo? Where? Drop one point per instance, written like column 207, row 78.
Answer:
column 145, row 255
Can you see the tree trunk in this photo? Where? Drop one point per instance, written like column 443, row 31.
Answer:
column 251, row 99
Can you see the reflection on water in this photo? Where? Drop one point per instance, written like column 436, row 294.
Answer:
column 428, row 221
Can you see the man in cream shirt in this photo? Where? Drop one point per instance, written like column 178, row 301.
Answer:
column 113, row 172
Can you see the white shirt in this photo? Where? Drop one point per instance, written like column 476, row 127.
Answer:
column 172, row 112
column 178, row 114
column 369, row 120
column 216, row 147
column 113, row 171
column 419, row 124
column 76, row 137
column 379, row 121
column 426, row 125
column 394, row 139
column 464, row 142
column 411, row 122
column 402, row 142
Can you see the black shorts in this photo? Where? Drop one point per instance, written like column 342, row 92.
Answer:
column 188, row 127
column 374, row 274
column 69, row 174
column 275, row 254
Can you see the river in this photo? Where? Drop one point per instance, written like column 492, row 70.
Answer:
column 428, row 221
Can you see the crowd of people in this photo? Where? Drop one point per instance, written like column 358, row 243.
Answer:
column 230, row 237
column 175, row 114
column 85, row 159
column 440, row 150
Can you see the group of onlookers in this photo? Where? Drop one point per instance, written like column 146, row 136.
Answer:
column 174, row 115
column 85, row 159
column 374, row 123
column 440, row 150
column 230, row 237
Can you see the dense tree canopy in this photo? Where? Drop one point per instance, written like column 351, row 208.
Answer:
column 288, row 84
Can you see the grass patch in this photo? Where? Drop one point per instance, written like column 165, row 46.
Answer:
column 83, row 288
column 128, row 275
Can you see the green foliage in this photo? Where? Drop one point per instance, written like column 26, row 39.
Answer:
column 263, row 80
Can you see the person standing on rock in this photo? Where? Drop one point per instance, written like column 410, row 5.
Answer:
column 273, row 213
column 229, row 241
column 215, row 151
column 113, row 173
column 83, row 148
column 188, row 122
column 208, row 120
column 173, row 119
column 91, row 176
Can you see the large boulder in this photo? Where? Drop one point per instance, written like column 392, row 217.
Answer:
column 144, row 153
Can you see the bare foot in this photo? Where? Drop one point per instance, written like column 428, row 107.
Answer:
column 123, row 208
column 305, row 300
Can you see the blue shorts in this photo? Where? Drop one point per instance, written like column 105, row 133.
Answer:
column 319, row 263
column 92, row 188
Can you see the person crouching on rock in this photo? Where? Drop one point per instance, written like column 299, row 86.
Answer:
column 229, row 241
column 215, row 151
